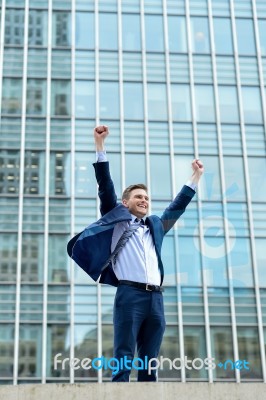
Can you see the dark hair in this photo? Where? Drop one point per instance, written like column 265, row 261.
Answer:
column 128, row 190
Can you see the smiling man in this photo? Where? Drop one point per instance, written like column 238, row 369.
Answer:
column 123, row 248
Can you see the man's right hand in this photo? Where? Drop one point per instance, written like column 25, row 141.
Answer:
column 100, row 133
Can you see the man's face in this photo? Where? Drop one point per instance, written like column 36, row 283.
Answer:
column 138, row 203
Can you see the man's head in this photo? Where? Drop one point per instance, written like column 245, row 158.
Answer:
column 136, row 199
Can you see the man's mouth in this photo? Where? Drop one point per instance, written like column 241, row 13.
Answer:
column 142, row 206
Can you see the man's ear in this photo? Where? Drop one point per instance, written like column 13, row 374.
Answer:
column 124, row 202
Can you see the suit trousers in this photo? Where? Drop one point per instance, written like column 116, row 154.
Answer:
column 138, row 322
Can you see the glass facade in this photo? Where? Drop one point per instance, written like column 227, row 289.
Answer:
column 173, row 80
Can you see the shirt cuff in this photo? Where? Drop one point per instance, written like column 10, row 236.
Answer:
column 192, row 185
column 101, row 156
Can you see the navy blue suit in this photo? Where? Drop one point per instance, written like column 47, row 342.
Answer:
column 138, row 314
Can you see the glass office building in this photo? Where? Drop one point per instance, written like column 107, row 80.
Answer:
column 174, row 80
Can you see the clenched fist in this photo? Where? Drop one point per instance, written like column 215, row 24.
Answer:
column 100, row 133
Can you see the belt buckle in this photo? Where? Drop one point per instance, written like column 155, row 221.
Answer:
column 147, row 284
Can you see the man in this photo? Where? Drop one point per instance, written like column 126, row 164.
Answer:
column 136, row 269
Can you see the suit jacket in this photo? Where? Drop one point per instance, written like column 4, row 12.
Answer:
column 90, row 248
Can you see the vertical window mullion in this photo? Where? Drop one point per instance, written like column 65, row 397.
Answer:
column 21, row 192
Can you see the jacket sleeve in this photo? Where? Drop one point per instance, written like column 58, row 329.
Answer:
column 176, row 208
column 106, row 190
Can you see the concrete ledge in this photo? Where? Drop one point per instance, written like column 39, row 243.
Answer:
column 133, row 391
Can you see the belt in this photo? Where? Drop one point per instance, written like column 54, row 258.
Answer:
column 143, row 286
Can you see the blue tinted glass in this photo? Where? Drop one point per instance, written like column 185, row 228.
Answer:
column 154, row 33
column 131, row 34
column 11, row 96
column 157, row 104
column 177, row 34
column 160, row 176
column 133, row 101
column 262, row 32
column 14, row 27
column 240, row 261
column 135, row 175
column 251, row 104
column 61, row 101
column 109, row 100
column 223, row 36
column 84, row 30
column 204, row 103
column 228, row 104
column 211, row 183
column 61, row 30
column 256, row 170
column 108, row 31
column 200, row 35
column 37, row 28
column 245, row 36
column 189, row 260
column 260, row 245
column 181, row 104
column 85, row 99
column 234, row 178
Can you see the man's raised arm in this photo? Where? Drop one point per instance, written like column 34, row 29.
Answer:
column 106, row 189
column 177, row 207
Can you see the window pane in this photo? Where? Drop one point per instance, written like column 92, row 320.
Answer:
column 251, row 104
column 85, row 184
column 131, row 34
column 160, row 177
column 181, row 102
column 11, row 96
column 109, row 100
column 133, row 101
column 36, row 97
column 14, row 27
column 234, row 178
column 200, row 35
column 177, row 34
column 30, row 351
column 85, row 99
column 32, row 258
column 262, row 32
column 195, row 347
column 154, row 33
column 57, row 342
column 204, row 103
column 240, row 261
column 85, row 30
column 211, row 183
column 58, row 260
column 256, row 169
column 9, row 175
column 260, row 245
column 189, row 261
column 37, row 28
column 228, row 103
column 108, row 31
column 222, row 350
column 245, row 37
column 248, row 347
column 8, row 257
column 157, row 103
column 135, row 175
column 60, row 102
column 61, row 29
column 7, row 351
column 223, row 36
column 60, row 173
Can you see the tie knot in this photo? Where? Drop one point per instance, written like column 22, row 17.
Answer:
column 139, row 221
